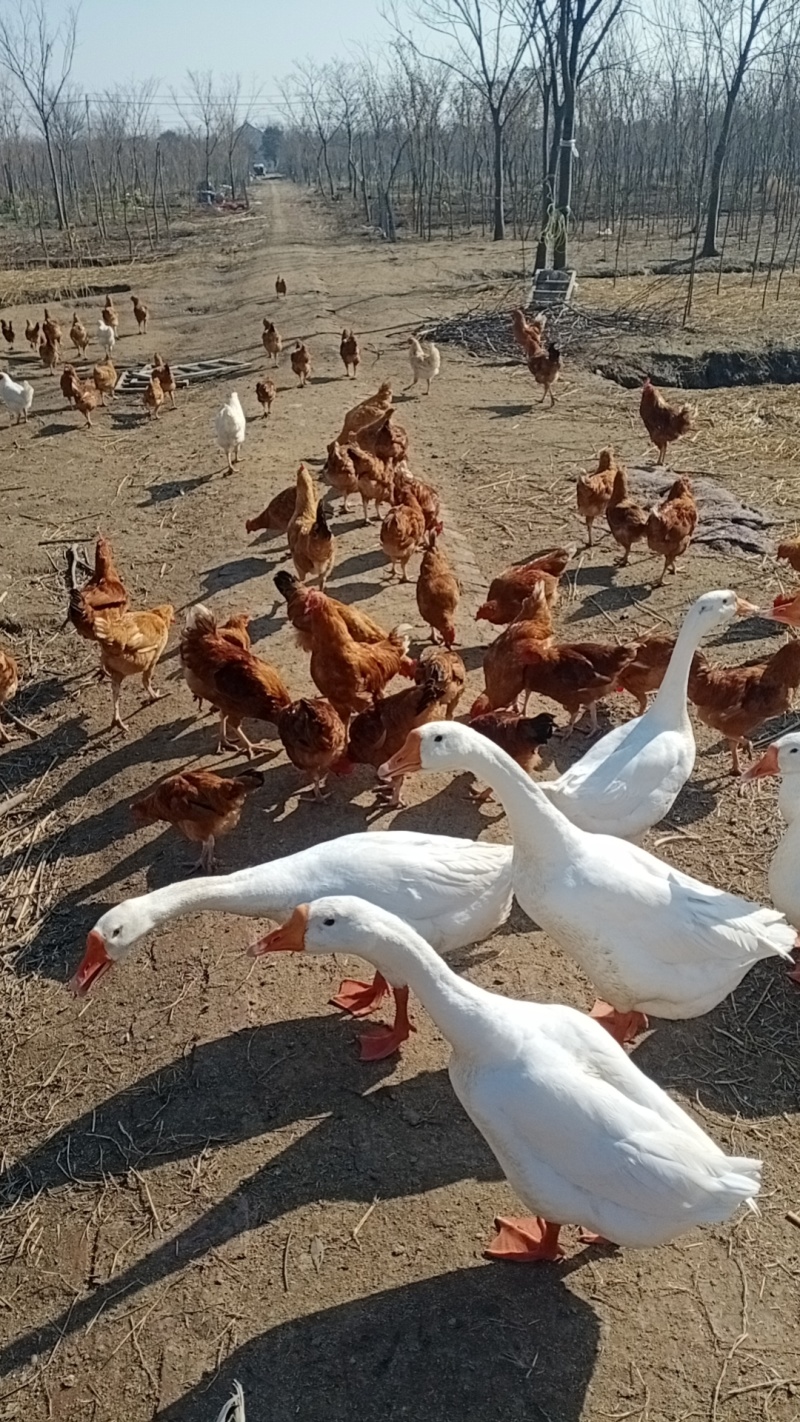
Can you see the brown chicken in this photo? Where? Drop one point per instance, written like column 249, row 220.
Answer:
column 49, row 354
column 104, row 592
column 402, row 531
column 104, row 376
column 51, row 330
column 664, row 423
column 350, row 673
column 381, row 730
column 265, row 395
column 594, row 491
column 366, row 412
column 153, row 398
column 789, row 552
column 521, row 737
column 109, row 315
column 736, row 700
column 86, row 400
column 528, row 334
column 130, row 645
column 626, row 519
column 70, row 384
column 280, row 286
column 7, row 328
column 202, row 806
column 163, row 374
column 374, row 479
column 271, row 341
column 646, row 672
column 348, row 350
column 450, row 672
column 574, row 674
column 231, row 677
column 509, row 589
column 278, row 514
column 141, row 314
column 670, row 528
column 438, row 593
column 32, row 335
column 545, row 367
column 301, row 362
column 425, row 495
column 359, row 625
column 314, row 737
column 9, row 685
column 504, row 661
column 78, row 335
column 340, row 473
column 384, row 439
column 311, row 543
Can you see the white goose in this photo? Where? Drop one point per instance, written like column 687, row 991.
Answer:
column 631, row 778
column 579, row 1131
column 651, row 938
column 783, row 759
column 452, row 891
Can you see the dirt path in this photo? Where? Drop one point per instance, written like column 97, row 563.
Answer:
column 202, row 1182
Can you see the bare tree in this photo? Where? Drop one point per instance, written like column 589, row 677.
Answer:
column 313, row 88
column 39, row 57
column 489, row 40
column 736, row 35
column 572, row 32
column 199, row 109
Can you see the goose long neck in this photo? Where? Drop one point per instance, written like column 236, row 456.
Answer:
column 462, row 1012
column 535, row 823
column 670, row 703
column 270, row 893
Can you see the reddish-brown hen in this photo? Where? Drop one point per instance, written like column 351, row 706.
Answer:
column 201, row 805
column 736, row 700
column 314, row 737
column 670, row 528
column 664, row 422
column 509, row 589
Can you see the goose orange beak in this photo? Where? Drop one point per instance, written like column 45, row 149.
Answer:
column 94, row 963
column 746, row 609
column 289, row 938
column 767, row 765
column 406, row 761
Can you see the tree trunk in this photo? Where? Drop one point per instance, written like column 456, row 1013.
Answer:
column 499, row 175
column 61, row 218
column 709, row 248
column 564, row 188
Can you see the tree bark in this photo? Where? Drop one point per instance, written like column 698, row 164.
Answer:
column 564, row 190
column 709, row 248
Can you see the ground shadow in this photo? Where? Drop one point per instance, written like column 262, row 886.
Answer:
column 48, row 431
column 505, row 412
column 230, row 575
column 480, row 1344
column 740, row 1059
column 393, row 1141
column 173, row 489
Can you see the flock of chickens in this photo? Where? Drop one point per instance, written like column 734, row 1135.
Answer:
column 356, row 720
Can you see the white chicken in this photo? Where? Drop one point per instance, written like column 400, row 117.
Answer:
column 229, row 427
column 17, row 398
column 425, row 362
column 106, row 337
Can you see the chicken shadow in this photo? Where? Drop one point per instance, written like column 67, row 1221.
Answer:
column 504, row 412
column 173, row 489
column 362, row 562
column 230, row 575
column 129, row 419
column 51, row 430
column 434, row 1341
column 739, row 1060
column 393, row 1141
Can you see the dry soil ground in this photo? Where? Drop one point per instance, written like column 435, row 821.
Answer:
column 201, row 1181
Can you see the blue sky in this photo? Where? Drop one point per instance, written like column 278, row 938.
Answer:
column 257, row 38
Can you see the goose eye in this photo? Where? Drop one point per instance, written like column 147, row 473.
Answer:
column 329, row 922
column 437, row 739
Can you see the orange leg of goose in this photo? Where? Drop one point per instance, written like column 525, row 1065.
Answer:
column 385, row 1041
column 623, row 1026
column 588, row 1236
column 359, row 998
column 525, row 1241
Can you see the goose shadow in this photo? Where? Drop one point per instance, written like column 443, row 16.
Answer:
column 394, row 1140
column 741, row 1058
column 434, row 1341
